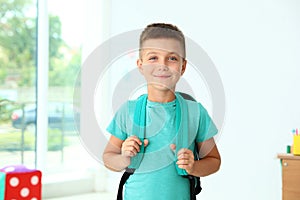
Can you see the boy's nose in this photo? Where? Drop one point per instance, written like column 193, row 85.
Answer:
column 163, row 68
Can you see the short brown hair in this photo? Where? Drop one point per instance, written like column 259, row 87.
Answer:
column 163, row 30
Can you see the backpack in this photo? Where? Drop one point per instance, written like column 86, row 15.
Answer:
column 195, row 183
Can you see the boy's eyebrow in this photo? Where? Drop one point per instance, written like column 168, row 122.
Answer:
column 153, row 52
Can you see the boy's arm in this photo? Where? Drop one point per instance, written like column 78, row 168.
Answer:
column 118, row 152
column 112, row 157
column 210, row 159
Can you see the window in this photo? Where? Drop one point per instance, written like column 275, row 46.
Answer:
column 65, row 32
column 17, row 81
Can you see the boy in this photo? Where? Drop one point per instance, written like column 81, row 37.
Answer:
column 155, row 134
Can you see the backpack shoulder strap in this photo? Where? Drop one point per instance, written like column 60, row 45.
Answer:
column 123, row 180
column 195, row 183
column 138, row 128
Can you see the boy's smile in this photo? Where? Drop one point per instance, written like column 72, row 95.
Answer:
column 161, row 64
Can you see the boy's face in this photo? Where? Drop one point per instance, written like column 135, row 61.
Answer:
column 161, row 63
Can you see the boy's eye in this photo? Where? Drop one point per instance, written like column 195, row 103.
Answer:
column 152, row 58
column 173, row 58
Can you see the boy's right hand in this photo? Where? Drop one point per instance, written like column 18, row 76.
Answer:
column 131, row 146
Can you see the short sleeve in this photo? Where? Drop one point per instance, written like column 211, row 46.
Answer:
column 118, row 127
column 207, row 129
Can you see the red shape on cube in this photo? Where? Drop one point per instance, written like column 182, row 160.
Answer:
column 22, row 183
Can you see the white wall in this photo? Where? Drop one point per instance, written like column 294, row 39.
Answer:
column 255, row 46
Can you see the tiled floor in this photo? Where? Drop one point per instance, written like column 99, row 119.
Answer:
column 89, row 196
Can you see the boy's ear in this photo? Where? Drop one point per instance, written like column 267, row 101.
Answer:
column 183, row 66
column 139, row 64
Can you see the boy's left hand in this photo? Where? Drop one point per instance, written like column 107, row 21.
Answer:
column 185, row 159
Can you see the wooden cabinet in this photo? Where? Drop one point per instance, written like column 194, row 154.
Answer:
column 290, row 176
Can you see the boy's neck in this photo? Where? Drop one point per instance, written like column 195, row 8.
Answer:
column 162, row 96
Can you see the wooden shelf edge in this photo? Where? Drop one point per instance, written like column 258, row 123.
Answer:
column 288, row 156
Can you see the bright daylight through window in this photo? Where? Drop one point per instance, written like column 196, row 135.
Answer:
column 18, row 83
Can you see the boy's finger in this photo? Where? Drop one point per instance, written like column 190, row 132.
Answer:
column 146, row 142
column 131, row 143
column 135, row 145
column 183, row 156
column 183, row 150
column 173, row 147
column 129, row 151
column 136, row 139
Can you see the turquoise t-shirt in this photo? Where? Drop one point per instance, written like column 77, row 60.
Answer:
column 157, row 178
